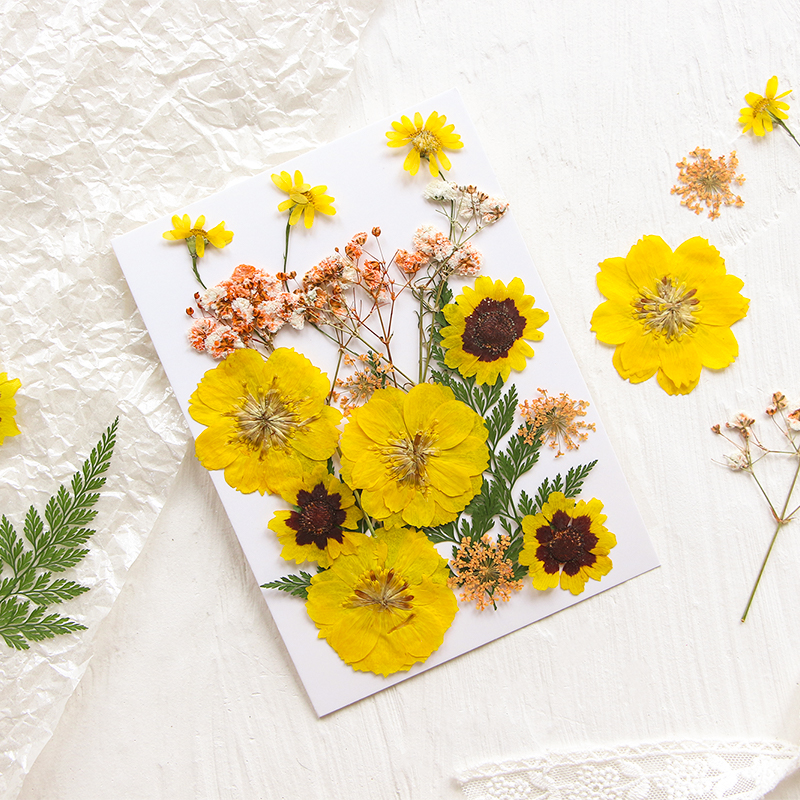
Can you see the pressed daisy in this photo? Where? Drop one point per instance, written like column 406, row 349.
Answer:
column 428, row 141
column 322, row 524
column 304, row 200
column 387, row 606
column 8, row 406
column 566, row 543
column 196, row 236
column 483, row 572
column 267, row 420
column 488, row 329
column 669, row 312
column 418, row 455
column 554, row 420
column 761, row 111
column 707, row 181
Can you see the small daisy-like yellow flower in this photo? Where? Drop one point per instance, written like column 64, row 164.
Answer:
column 759, row 112
column 266, row 420
column 303, row 200
column 184, row 230
column 8, row 406
column 566, row 543
column 488, row 328
column 427, row 140
column 323, row 524
column 386, row 606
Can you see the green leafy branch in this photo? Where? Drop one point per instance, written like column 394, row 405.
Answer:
column 295, row 585
column 56, row 544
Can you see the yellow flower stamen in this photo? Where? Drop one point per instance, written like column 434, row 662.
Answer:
column 264, row 421
column 407, row 458
column 426, row 143
column 384, row 589
column 669, row 310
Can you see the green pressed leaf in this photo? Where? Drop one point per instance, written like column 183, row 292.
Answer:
column 297, row 585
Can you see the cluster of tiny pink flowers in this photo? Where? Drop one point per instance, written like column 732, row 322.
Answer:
column 430, row 245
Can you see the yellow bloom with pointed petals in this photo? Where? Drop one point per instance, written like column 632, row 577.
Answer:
column 669, row 313
column 419, row 455
column 8, row 406
column 488, row 328
column 428, row 141
column 183, row 229
column 323, row 524
column 387, row 606
column 566, row 543
column 304, row 200
column 760, row 110
column 267, row 419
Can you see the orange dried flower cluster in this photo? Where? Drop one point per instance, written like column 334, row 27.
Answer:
column 361, row 385
column 555, row 419
column 483, row 571
column 707, row 181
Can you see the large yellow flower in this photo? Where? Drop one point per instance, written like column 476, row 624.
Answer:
column 323, row 524
column 427, row 141
column 566, row 543
column 303, row 199
column 267, row 420
column 417, row 457
column 8, row 406
column 669, row 312
column 488, row 327
column 387, row 606
column 183, row 229
column 760, row 110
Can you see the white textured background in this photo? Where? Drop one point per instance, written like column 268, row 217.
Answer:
column 583, row 111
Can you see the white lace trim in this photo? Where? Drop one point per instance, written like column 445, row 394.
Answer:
column 705, row 770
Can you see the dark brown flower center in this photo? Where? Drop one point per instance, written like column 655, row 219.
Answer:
column 567, row 541
column 492, row 328
column 319, row 519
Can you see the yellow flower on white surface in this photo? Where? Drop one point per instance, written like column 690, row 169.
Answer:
column 428, row 140
column 304, row 200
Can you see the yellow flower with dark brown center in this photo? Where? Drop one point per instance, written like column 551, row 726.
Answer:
column 195, row 234
column 416, row 457
column 488, row 329
column 760, row 111
column 566, row 543
column 323, row 523
column 427, row 141
column 304, row 200
column 8, row 406
column 669, row 313
column 267, row 420
column 387, row 606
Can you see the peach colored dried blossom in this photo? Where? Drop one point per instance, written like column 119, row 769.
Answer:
column 707, row 181
column 483, row 572
column 365, row 380
column 778, row 404
column 554, row 420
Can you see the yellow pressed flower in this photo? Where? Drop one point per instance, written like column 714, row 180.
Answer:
column 323, row 524
column 267, row 420
column 669, row 313
column 427, row 141
column 196, row 236
column 417, row 457
column 760, row 111
column 303, row 199
column 387, row 606
column 488, row 327
column 566, row 543
column 8, row 406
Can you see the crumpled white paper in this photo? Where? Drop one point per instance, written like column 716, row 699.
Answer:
column 112, row 113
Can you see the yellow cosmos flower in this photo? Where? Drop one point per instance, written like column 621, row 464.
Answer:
column 488, row 327
column 427, row 141
column 8, row 406
column 418, row 457
column 759, row 112
column 267, row 420
column 303, row 199
column 669, row 312
column 566, row 543
column 387, row 606
column 323, row 524
column 183, row 229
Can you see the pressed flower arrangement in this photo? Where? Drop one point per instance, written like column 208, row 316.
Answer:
column 385, row 471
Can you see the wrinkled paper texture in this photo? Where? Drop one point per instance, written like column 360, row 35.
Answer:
column 110, row 114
